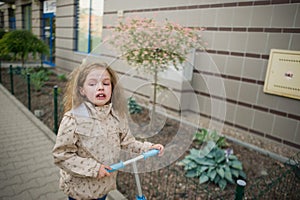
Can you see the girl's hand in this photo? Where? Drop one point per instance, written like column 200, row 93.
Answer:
column 158, row 147
column 103, row 171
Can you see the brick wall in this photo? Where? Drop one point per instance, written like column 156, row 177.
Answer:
column 231, row 74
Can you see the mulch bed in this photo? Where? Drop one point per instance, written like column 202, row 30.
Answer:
column 170, row 182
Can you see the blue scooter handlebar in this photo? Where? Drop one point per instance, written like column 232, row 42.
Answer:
column 121, row 164
column 116, row 167
column 152, row 152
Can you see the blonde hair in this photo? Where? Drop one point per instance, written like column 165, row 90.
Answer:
column 73, row 97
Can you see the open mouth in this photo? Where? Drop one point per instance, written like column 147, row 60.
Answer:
column 100, row 96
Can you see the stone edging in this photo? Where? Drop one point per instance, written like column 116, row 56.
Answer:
column 49, row 133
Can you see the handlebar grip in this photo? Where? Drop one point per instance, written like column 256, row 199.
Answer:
column 116, row 167
column 152, row 152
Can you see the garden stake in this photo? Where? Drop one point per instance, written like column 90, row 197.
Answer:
column 121, row 165
column 239, row 193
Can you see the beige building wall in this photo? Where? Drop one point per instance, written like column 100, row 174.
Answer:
column 37, row 11
column 4, row 9
column 37, row 15
column 18, row 12
column 66, row 56
column 228, row 79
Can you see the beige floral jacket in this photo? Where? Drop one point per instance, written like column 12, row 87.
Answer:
column 89, row 136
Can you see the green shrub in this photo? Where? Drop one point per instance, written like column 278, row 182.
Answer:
column 4, row 56
column 62, row 77
column 38, row 76
column 38, row 79
column 213, row 164
column 20, row 43
column 205, row 135
column 133, row 107
column 2, row 33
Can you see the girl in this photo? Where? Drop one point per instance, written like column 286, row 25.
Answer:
column 92, row 132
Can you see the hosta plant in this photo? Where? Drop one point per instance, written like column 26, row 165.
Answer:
column 204, row 135
column 213, row 164
column 133, row 106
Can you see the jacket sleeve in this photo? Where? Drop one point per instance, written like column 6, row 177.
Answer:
column 65, row 152
column 129, row 142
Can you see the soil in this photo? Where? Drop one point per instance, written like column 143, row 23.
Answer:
column 267, row 178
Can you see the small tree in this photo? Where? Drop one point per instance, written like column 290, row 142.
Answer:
column 155, row 46
column 22, row 43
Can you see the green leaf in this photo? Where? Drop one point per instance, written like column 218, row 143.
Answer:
column 242, row 174
column 204, row 131
column 211, row 169
column 222, row 183
column 217, row 179
column 209, row 155
column 210, row 145
column 202, row 169
column 228, row 176
column 221, row 142
column 232, row 157
column 220, row 156
column 214, row 134
column 235, row 172
column 199, row 136
column 227, row 168
column 204, row 161
column 190, row 166
column 194, row 152
column 212, row 175
column 203, row 178
column 184, row 162
column 191, row 173
column 236, row 164
column 221, row 172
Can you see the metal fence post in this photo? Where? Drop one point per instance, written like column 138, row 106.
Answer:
column 11, row 79
column 239, row 192
column 55, row 110
column 0, row 71
column 28, row 92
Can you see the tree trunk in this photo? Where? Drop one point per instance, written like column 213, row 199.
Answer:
column 154, row 99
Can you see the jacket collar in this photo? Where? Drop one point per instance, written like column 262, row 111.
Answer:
column 87, row 109
column 98, row 111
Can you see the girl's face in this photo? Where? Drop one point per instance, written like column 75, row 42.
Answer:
column 97, row 87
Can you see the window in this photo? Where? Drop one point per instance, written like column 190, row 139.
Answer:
column 1, row 19
column 12, row 19
column 89, row 25
column 26, row 12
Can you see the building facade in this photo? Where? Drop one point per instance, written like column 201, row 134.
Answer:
column 224, row 88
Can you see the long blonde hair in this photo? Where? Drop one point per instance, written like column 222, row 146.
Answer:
column 73, row 97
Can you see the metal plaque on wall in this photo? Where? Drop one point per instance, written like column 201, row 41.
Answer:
column 283, row 73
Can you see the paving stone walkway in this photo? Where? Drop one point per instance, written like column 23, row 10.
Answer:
column 26, row 164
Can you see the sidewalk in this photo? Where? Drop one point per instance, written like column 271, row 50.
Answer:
column 26, row 164
column 27, row 171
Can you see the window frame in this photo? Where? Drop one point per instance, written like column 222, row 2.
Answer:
column 1, row 19
column 27, row 24
column 90, row 37
column 12, row 18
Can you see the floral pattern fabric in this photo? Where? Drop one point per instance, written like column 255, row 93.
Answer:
column 88, row 137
